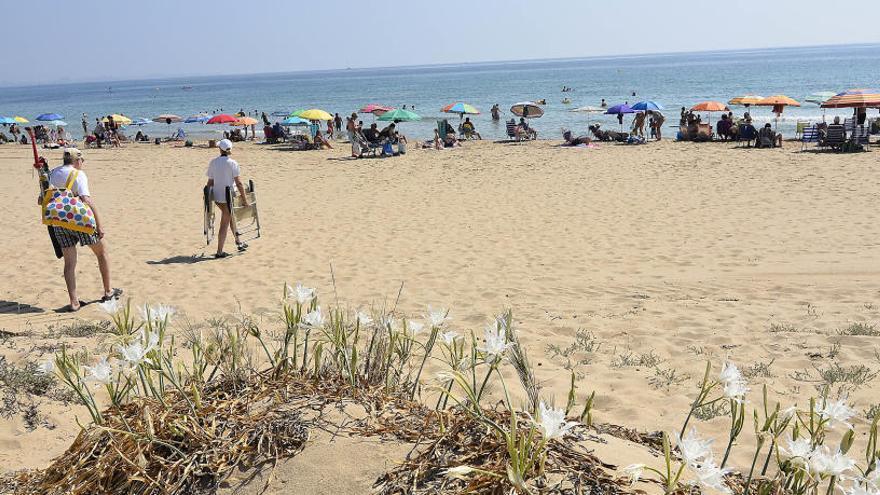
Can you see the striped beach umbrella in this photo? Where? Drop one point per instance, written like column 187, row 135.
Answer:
column 460, row 108
column 527, row 109
column 854, row 98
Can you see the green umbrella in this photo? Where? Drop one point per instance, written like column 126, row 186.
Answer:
column 297, row 113
column 399, row 115
column 819, row 97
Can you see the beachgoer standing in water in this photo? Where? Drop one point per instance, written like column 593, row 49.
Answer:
column 85, row 124
column 224, row 172
column 69, row 239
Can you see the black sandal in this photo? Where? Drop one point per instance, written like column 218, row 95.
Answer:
column 221, row 255
column 114, row 294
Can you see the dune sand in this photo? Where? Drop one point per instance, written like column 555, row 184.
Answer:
column 662, row 256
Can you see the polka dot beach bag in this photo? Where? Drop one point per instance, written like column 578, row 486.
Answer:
column 62, row 208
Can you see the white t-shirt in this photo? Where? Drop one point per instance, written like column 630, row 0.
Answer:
column 223, row 170
column 58, row 178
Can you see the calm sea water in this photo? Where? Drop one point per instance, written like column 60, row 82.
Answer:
column 673, row 80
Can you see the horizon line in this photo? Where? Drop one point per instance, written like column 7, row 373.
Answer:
column 438, row 65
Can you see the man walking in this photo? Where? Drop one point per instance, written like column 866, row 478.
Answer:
column 223, row 172
column 69, row 239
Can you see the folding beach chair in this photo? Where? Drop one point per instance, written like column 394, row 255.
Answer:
column 802, row 126
column 245, row 222
column 835, row 137
column 809, row 135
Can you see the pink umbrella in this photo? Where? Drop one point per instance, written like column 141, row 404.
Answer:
column 375, row 109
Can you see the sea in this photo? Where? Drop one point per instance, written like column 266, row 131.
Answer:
column 672, row 80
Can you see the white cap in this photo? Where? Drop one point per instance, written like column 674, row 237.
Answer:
column 225, row 144
column 73, row 152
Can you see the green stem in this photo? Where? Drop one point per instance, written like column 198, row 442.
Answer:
column 752, row 470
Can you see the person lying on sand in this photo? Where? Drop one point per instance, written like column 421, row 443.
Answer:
column 69, row 239
column 574, row 141
column 223, row 172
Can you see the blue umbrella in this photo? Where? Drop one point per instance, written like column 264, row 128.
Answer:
column 7, row 120
column 295, row 121
column 141, row 121
column 49, row 116
column 198, row 119
column 618, row 109
column 644, row 106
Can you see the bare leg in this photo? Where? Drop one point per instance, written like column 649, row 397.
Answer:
column 225, row 220
column 103, row 265
column 69, row 254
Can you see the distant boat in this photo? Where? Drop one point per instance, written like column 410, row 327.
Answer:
column 186, row 88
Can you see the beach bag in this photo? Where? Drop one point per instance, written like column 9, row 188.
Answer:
column 62, row 208
column 387, row 149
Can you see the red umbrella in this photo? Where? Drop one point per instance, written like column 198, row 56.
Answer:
column 222, row 119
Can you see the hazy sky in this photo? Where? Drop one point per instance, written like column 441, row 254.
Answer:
column 92, row 40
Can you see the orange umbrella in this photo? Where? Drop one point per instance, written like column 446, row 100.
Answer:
column 245, row 121
column 745, row 100
column 778, row 100
column 710, row 106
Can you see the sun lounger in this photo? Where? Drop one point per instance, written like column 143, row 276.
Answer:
column 245, row 224
column 809, row 135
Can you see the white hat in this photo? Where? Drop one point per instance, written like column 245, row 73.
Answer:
column 225, row 144
column 73, row 152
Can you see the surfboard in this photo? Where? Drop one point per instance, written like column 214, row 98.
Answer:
column 208, row 210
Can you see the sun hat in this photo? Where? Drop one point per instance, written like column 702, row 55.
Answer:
column 225, row 144
column 73, row 152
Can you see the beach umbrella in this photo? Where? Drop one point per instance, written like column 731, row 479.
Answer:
column 297, row 113
column 710, row 106
column 245, row 121
column 400, row 116
column 778, row 102
column 21, row 120
column 620, row 109
column 56, row 123
column 819, row 97
column 854, row 98
column 199, row 118
column 745, row 100
column 141, row 121
column 166, row 117
column 7, row 120
column 119, row 119
column 375, row 109
column 644, row 106
column 588, row 109
column 527, row 109
column 221, row 119
column 46, row 117
column 315, row 114
column 461, row 109
column 294, row 121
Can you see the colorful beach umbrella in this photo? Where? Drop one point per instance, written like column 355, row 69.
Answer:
column 710, row 106
column 21, row 120
column 745, row 100
column 527, row 109
column 166, row 117
column 245, row 121
column 399, row 115
column 294, row 121
column 375, row 109
column 460, row 108
column 46, row 117
column 221, row 119
column 644, row 106
column 315, row 114
column 854, row 98
column 820, row 97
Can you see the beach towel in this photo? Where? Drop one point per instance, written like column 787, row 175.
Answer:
column 62, row 208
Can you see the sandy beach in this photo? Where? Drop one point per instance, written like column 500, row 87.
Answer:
column 631, row 265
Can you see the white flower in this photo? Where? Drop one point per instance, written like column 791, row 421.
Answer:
column 110, row 306
column 47, row 367
column 823, row 462
column 787, row 413
column 496, row 343
column 836, row 413
column 730, row 374
column 801, row 448
column 862, row 489
column 135, row 352
column 711, row 476
column 445, row 376
column 157, row 313
column 363, row 318
column 414, row 327
column 437, row 317
column 552, row 422
column 314, row 318
column 101, row 372
column 735, row 390
column 449, row 337
column 634, row 471
column 459, row 472
column 693, row 449
column 388, row 322
column 301, row 294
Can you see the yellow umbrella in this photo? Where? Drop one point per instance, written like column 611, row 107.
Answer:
column 244, row 121
column 119, row 119
column 21, row 120
column 315, row 114
column 745, row 100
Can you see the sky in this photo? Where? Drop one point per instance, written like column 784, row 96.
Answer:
column 102, row 40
